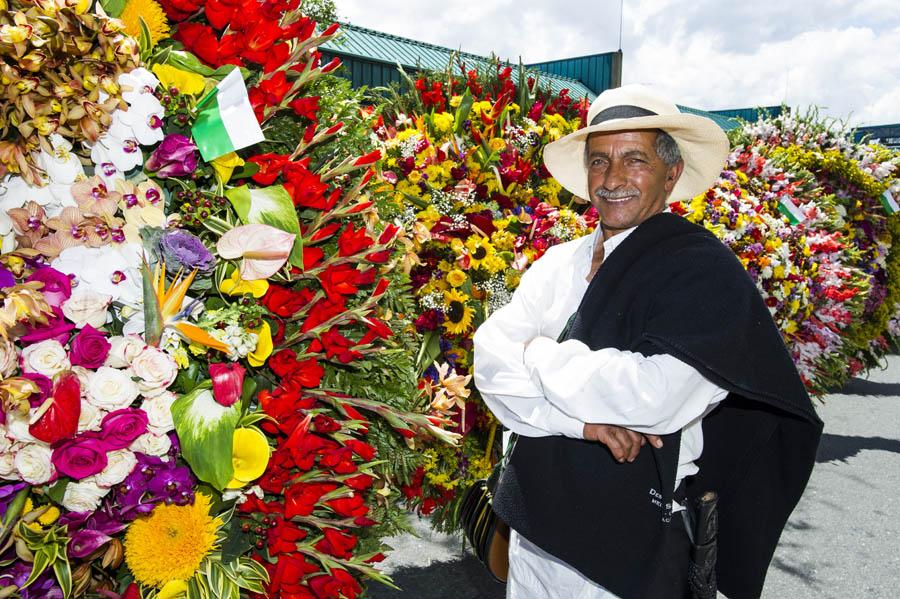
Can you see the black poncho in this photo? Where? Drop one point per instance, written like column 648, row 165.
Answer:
column 672, row 287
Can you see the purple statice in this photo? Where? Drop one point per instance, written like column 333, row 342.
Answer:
column 181, row 249
column 17, row 573
column 154, row 480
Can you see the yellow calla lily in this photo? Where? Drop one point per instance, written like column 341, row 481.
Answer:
column 249, row 456
column 225, row 165
column 263, row 346
column 235, row 285
column 174, row 589
column 185, row 82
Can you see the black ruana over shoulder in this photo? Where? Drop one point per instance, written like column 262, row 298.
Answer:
column 672, row 287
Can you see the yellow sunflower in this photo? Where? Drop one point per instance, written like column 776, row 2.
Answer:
column 458, row 315
column 171, row 542
column 153, row 15
column 479, row 249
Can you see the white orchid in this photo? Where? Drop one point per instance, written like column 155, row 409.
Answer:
column 137, row 82
column 110, row 270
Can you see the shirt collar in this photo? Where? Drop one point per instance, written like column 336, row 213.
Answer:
column 587, row 250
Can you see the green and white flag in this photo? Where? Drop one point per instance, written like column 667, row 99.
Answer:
column 789, row 209
column 889, row 203
column 226, row 121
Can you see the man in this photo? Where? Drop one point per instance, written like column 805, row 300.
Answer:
column 668, row 342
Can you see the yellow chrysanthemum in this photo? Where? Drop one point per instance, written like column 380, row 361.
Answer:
column 458, row 315
column 171, row 542
column 153, row 16
column 479, row 249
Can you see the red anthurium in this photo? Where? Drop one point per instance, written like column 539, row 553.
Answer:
column 58, row 415
column 227, row 382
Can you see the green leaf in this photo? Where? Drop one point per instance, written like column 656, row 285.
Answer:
column 188, row 62
column 429, row 350
column 245, row 172
column 236, row 544
column 269, row 206
column 41, row 562
column 462, row 113
column 205, row 429
column 153, row 322
column 146, row 40
column 63, row 575
column 113, row 8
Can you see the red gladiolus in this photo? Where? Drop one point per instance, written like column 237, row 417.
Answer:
column 351, row 241
column 199, row 40
column 286, row 577
column 312, row 256
column 337, row 543
column 283, row 537
column 306, row 107
column 179, row 10
column 274, row 88
column 325, row 232
column 323, row 310
column 339, row 280
column 349, row 507
column 340, row 584
column 59, row 414
column 361, row 448
column 306, row 188
column 339, row 461
column 300, row 499
column 335, row 345
column 360, row 482
column 227, row 382
column 370, row 158
column 285, row 302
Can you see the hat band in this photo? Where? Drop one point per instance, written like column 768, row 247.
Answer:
column 623, row 111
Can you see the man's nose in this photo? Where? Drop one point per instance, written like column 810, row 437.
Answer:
column 615, row 176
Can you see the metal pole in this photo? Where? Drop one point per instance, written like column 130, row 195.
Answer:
column 621, row 20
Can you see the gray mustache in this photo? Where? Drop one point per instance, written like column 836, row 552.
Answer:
column 617, row 194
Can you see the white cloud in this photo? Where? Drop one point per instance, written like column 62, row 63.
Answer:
column 837, row 54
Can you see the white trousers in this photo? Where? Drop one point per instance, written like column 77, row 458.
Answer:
column 535, row 574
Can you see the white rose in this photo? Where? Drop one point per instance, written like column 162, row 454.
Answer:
column 17, row 427
column 83, row 496
column 84, row 378
column 9, row 358
column 86, row 306
column 90, row 417
column 33, row 463
column 123, row 350
column 119, row 465
column 47, row 357
column 159, row 412
column 151, row 444
column 111, row 389
column 7, row 458
column 156, row 369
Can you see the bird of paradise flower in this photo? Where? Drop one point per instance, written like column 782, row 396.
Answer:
column 163, row 308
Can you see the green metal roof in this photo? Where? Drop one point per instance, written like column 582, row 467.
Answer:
column 725, row 122
column 376, row 46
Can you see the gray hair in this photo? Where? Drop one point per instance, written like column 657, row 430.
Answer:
column 665, row 145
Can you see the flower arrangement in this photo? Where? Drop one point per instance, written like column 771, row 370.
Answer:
column 462, row 172
column 203, row 355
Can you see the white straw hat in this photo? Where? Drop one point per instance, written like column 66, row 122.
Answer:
column 703, row 144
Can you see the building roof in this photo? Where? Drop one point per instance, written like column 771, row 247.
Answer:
column 377, row 46
column 727, row 123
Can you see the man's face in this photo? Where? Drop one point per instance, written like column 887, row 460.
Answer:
column 627, row 180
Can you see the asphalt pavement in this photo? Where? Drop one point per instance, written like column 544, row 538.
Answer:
column 842, row 541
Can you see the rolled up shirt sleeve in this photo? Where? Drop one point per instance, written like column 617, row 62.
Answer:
column 658, row 394
column 500, row 374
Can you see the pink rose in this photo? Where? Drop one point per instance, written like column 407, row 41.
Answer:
column 80, row 457
column 57, row 286
column 89, row 348
column 121, row 427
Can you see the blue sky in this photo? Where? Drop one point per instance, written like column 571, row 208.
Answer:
column 840, row 55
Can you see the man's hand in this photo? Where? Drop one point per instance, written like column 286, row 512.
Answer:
column 624, row 444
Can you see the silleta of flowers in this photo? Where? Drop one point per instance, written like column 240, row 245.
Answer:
column 463, row 172
column 188, row 315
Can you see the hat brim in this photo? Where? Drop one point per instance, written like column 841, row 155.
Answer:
column 703, row 144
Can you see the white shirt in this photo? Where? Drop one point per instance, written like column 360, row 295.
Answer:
column 555, row 388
